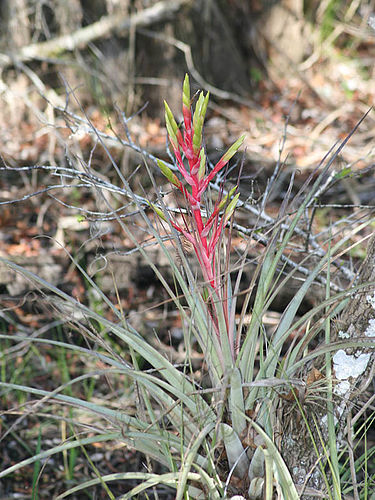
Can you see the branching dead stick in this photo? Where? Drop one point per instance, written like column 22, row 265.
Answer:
column 93, row 181
column 289, row 262
column 102, row 28
column 300, row 232
column 255, row 210
column 89, row 181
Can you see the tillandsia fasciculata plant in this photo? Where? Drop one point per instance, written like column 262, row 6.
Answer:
column 231, row 361
column 204, row 230
column 200, row 228
column 229, row 437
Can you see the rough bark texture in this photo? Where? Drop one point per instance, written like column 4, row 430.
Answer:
column 296, row 443
column 15, row 25
column 283, row 34
column 360, row 310
column 275, row 32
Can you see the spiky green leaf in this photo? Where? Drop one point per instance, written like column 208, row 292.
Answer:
column 233, row 149
column 186, row 91
column 171, row 125
column 202, row 165
column 167, row 172
column 157, row 211
column 226, row 198
column 198, row 119
column 230, row 208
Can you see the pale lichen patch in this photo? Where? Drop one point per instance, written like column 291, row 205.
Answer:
column 343, row 335
column 342, row 388
column 370, row 330
column 349, row 365
column 371, row 299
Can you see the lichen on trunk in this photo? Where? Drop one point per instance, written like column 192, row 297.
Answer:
column 304, row 419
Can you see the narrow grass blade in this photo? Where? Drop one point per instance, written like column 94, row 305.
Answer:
column 291, row 310
column 114, row 436
column 236, row 402
column 332, row 437
column 189, row 459
column 126, row 333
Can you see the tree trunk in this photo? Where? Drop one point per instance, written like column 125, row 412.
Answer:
column 353, row 370
column 278, row 36
column 15, row 24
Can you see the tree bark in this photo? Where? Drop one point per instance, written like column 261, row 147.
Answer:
column 353, row 370
column 278, row 35
column 15, row 25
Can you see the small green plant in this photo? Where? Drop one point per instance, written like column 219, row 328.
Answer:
column 329, row 17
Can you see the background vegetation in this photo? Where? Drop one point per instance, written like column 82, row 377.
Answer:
column 111, row 381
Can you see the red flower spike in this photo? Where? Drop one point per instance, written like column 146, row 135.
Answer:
column 190, row 142
column 218, row 207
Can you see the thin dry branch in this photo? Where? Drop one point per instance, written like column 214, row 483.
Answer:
column 102, row 28
column 88, row 179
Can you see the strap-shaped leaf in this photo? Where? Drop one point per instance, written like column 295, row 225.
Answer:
column 171, row 125
column 167, row 172
column 186, row 92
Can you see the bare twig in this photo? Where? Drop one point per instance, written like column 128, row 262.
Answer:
column 88, row 179
column 102, row 28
